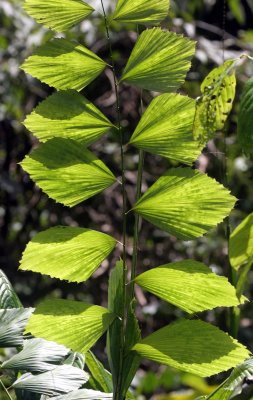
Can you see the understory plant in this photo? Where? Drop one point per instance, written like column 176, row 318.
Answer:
column 184, row 202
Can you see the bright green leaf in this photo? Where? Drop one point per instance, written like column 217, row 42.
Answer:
column 241, row 243
column 67, row 114
column 141, row 11
column 8, row 297
column 189, row 285
column 64, row 65
column 159, row 61
column 100, row 378
column 245, row 118
column 71, row 254
column 216, row 102
column 193, row 346
column 59, row 15
column 185, row 203
column 67, row 172
column 166, row 128
column 74, row 324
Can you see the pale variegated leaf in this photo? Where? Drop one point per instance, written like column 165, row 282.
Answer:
column 85, row 394
column 141, row 11
column 241, row 243
column 12, row 325
column 8, row 297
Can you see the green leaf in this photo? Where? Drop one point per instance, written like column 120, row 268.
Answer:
column 38, row 355
column 241, row 243
column 12, row 325
column 141, row 11
column 166, row 129
column 159, row 61
column 67, row 172
column 245, row 119
column 67, row 114
column 64, row 65
column 71, row 254
column 100, row 378
column 84, row 394
column 62, row 379
column 189, row 285
column 193, row 346
column 59, row 15
column 8, row 297
column 185, row 203
column 216, row 101
column 74, row 324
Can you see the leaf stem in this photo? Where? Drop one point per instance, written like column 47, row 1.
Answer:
column 5, row 389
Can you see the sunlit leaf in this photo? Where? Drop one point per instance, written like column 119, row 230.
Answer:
column 67, row 253
column 85, row 394
column 193, row 346
column 8, row 297
column 67, row 114
column 67, row 172
column 245, row 118
column 159, row 61
column 166, row 129
column 241, row 243
column 141, row 11
column 74, row 324
column 189, row 285
column 64, row 65
column 185, row 203
column 12, row 326
column 59, row 15
column 216, row 101
column 100, row 378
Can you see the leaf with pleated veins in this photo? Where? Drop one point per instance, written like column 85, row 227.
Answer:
column 216, row 101
column 189, row 285
column 59, row 15
column 159, row 61
column 193, row 346
column 69, row 115
column 141, row 11
column 166, row 129
column 12, row 325
column 185, row 203
column 74, row 324
column 8, row 297
column 245, row 118
column 241, row 243
column 67, row 172
column 67, row 253
column 85, row 394
column 64, row 65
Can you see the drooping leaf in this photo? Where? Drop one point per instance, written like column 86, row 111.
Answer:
column 216, row 101
column 245, row 118
column 59, row 15
column 38, row 355
column 85, row 394
column 71, row 254
column 141, row 11
column 159, row 61
column 100, row 378
column 64, row 65
column 67, row 114
column 62, row 379
column 193, row 346
column 67, row 172
column 189, row 285
column 74, row 324
column 185, row 203
column 166, row 128
column 8, row 297
column 75, row 359
column 12, row 326
column 241, row 243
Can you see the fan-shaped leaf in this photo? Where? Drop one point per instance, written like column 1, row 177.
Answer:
column 8, row 297
column 189, row 285
column 193, row 346
column 245, row 118
column 12, row 325
column 241, row 243
column 62, row 379
column 166, row 129
column 84, row 394
column 59, row 15
column 71, row 323
column 67, row 253
column 67, row 114
column 159, row 61
column 216, row 102
column 64, row 65
column 38, row 355
column 185, row 203
column 67, row 172
column 141, row 11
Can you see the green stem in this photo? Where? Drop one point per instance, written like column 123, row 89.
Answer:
column 5, row 389
column 117, row 389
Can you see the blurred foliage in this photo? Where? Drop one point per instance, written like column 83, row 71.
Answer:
column 220, row 32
